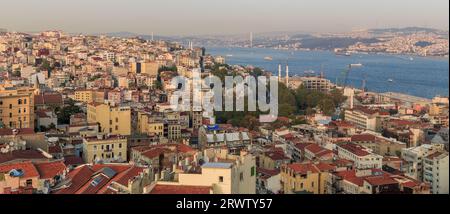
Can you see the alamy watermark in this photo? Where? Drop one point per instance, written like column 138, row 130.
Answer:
column 208, row 94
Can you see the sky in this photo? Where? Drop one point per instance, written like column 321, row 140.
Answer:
column 200, row 17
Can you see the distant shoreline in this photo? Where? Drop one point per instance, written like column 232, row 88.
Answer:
column 364, row 53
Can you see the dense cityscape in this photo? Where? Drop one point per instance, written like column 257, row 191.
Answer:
column 91, row 114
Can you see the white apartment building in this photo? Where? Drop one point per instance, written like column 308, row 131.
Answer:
column 435, row 172
column 363, row 118
column 413, row 166
column 362, row 157
column 224, row 173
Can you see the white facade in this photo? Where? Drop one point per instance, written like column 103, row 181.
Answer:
column 362, row 157
column 414, row 156
column 435, row 172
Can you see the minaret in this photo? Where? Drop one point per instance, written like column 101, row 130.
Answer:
column 251, row 39
column 279, row 72
column 287, row 75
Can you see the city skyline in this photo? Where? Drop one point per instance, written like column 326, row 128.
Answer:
column 235, row 17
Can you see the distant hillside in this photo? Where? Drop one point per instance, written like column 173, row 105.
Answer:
column 406, row 30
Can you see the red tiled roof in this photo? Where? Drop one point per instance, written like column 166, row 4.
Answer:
column 301, row 146
column 73, row 160
column 318, row 150
column 155, row 152
column 303, row 168
column 325, row 167
column 180, row 189
column 55, row 149
column 363, row 137
column 276, row 155
column 380, row 180
column 48, row 99
column 48, row 170
column 268, row 171
column 355, row 149
column 21, row 155
column 79, row 176
column 355, row 180
column 129, row 174
column 28, row 169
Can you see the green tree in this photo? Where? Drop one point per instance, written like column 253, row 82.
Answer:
column 69, row 109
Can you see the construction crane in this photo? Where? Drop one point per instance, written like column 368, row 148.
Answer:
column 344, row 75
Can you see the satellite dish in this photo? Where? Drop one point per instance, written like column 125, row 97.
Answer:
column 11, row 143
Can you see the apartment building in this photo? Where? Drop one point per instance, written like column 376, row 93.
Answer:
column 435, row 172
column 362, row 157
column 104, row 148
column 414, row 156
column 305, row 178
column 221, row 174
column 16, row 107
column 363, row 118
column 115, row 120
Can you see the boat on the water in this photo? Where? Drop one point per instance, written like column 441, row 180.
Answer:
column 229, row 55
column 268, row 58
column 390, row 80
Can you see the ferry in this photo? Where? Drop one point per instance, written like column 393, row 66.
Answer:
column 268, row 58
column 229, row 55
column 390, row 80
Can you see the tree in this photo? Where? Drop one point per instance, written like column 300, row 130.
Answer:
column 68, row 110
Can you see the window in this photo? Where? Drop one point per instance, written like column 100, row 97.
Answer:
column 241, row 176
column 29, row 182
column 120, row 145
column 220, row 179
column 24, row 110
column 19, row 101
column 10, row 106
column 10, row 114
column 25, row 101
column 312, row 184
column 19, row 110
column 253, row 171
column 117, row 128
column 117, row 119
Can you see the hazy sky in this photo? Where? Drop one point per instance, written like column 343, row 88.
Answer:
column 190, row 17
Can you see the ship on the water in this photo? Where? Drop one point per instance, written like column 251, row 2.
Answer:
column 268, row 58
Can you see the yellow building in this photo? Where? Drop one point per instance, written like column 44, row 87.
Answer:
column 86, row 96
column 114, row 120
column 16, row 107
column 89, row 96
column 150, row 124
column 105, row 148
column 150, row 68
column 305, row 178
